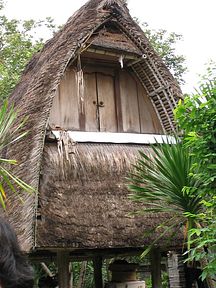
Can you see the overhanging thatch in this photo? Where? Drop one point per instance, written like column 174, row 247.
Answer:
column 34, row 94
column 84, row 200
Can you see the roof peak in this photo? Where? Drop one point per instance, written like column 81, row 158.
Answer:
column 101, row 7
column 110, row 3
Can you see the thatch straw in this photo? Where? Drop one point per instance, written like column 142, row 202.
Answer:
column 84, row 200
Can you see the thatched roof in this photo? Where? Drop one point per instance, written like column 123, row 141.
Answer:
column 34, row 95
column 84, row 203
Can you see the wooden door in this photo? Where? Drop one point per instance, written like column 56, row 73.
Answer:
column 129, row 103
column 90, row 99
column 65, row 111
column 99, row 99
column 106, row 103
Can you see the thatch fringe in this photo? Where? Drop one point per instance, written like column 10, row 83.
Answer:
column 93, row 161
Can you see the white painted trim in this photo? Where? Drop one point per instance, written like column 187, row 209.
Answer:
column 107, row 137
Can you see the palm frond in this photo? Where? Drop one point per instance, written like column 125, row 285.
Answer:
column 8, row 136
column 163, row 182
column 162, row 179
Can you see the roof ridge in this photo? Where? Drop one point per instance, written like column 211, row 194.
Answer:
column 110, row 3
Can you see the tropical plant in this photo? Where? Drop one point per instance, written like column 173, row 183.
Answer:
column 8, row 136
column 197, row 119
column 183, row 181
column 168, row 182
column 163, row 183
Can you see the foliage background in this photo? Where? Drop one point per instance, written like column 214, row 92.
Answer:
column 196, row 118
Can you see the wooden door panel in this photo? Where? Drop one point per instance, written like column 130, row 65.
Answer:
column 64, row 112
column 148, row 118
column 106, row 101
column 129, row 103
column 90, row 101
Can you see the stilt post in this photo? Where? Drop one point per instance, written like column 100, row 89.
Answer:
column 156, row 268
column 63, row 263
column 98, row 279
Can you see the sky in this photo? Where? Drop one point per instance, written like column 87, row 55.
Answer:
column 194, row 19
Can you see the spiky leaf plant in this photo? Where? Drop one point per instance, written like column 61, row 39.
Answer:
column 8, row 135
column 164, row 183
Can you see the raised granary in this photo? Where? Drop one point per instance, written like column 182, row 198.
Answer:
column 94, row 95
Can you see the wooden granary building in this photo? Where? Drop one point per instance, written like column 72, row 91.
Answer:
column 94, row 95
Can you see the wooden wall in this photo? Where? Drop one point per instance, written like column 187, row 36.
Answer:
column 110, row 100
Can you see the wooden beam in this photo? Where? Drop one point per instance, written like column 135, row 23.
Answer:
column 156, row 268
column 98, row 279
column 63, row 269
column 128, row 55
